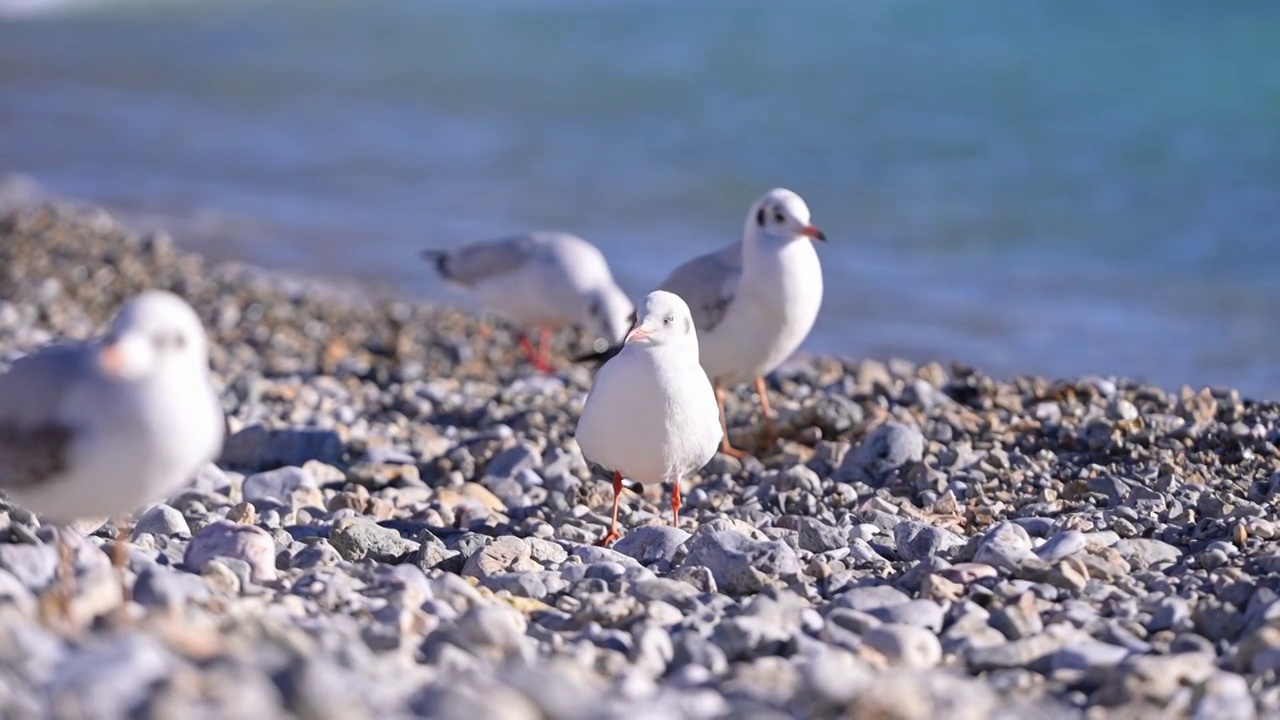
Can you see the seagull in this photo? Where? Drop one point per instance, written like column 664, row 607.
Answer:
column 543, row 279
column 754, row 302
column 105, row 427
column 651, row 413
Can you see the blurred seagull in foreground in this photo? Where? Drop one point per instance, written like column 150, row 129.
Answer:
column 102, row 428
column 543, row 279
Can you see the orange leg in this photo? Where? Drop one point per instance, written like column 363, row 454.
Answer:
column 770, row 431
column 675, row 504
column 119, row 561
column 613, row 533
column 725, row 447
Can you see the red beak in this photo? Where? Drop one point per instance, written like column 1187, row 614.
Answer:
column 637, row 334
column 813, row 232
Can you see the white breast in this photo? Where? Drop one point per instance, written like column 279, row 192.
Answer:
column 771, row 314
column 647, row 420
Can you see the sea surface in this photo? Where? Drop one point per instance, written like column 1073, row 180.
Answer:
column 1032, row 187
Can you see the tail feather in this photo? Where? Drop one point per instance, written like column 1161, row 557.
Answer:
column 440, row 259
column 600, row 357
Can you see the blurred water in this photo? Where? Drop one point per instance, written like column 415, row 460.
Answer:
column 1040, row 186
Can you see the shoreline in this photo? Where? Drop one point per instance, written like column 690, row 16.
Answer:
column 401, row 525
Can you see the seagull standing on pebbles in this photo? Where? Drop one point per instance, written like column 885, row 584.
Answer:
column 651, row 413
column 102, row 428
column 754, row 301
column 542, row 279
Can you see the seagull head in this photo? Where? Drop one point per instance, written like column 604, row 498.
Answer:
column 609, row 315
column 783, row 215
column 666, row 322
column 154, row 333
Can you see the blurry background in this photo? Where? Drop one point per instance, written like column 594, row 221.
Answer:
column 1052, row 187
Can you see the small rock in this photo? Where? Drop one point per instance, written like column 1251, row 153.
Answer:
column 357, row 538
column 652, row 543
column 505, row 554
column 1147, row 552
column 917, row 540
column 1062, row 545
column 817, row 536
column 222, row 538
column 258, row 448
column 161, row 520
column 276, row 485
column 887, row 448
column 739, row 564
column 905, row 645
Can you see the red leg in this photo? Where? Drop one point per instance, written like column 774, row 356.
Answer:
column 613, row 533
column 675, row 504
column 544, row 350
column 725, row 447
column 770, row 432
column 535, row 356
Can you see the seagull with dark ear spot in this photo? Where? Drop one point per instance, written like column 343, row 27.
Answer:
column 754, row 301
column 102, row 428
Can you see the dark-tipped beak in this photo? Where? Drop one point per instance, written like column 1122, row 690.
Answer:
column 813, row 232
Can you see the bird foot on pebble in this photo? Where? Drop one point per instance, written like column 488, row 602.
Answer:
column 609, row 538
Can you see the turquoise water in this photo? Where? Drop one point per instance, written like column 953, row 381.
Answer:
column 1051, row 187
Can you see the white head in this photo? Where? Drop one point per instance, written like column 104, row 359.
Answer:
column 609, row 315
column 781, row 215
column 154, row 333
column 666, row 323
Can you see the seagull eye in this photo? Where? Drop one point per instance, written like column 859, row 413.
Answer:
column 778, row 218
column 668, row 320
column 179, row 341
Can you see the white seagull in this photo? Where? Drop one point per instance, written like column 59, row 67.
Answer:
column 104, row 427
column 755, row 301
column 651, row 414
column 543, row 279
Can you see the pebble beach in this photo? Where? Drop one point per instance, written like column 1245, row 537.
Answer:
column 401, row 525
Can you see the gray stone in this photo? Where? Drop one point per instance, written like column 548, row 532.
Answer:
column 1006, row 545
column 925, row 614
column 1225, row 696
column 888, row 447
column 257, row 447
column 33, row 565
column 1146, row 552
column 652, row 543
column 358, row 538
column 276, row 485
column 505, row 554
column 1087, row 656
column 161, row 520
column 905, row 645
column 1016, row 654
column 1156, row 679
column 917, row 540
column 546, row 552
column 590, row 554
column 870, row 597
column 226, row 539
column 817, row 536
column 161, row 586
column 110, row 678
column 1173, row 613
column 1062, row 546
column 739, row 564
column 833, row 414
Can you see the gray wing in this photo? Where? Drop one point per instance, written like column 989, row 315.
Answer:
column 33, row 441
column 477, row 262
column 707, row 284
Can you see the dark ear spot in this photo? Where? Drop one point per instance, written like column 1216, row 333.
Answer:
column 760, row 217
column 688, row 325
